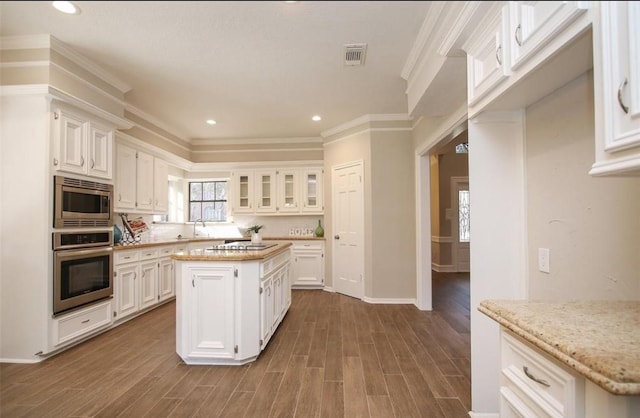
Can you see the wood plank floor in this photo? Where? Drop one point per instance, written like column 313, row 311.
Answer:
column 333, row 356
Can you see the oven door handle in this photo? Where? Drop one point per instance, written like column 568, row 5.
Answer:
column 79, row 252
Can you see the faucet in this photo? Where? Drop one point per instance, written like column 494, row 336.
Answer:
column 194, row 226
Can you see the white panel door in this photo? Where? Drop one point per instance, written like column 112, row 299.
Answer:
column 148, row 284
column 166, row 279
column 72, row 143
column 348, row 240
column 125, row 178
column 144, row 183
column 100, row 152
column 460, row 224
column 160, row 186
column 126, row 290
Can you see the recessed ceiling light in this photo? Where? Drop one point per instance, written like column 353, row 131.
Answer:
column 211, row 122
column 316, row 118
column 290, row 2
column 66, row 7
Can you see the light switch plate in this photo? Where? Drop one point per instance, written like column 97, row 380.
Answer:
column 543, row 260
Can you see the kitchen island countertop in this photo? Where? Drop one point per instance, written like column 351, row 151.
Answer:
column 157, row 243
column 598, row 339
column 230, row 255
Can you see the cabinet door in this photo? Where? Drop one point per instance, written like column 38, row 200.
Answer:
column 265, row 198
column 242, row 192
column 266, row 311
column 160, row 186
column 125, row 192
column 166, row 280
column 312, row 190
column 211, row 313
column 71, row 143
column 126, row 290
column 148, row 284
column 620, row 32
column 277, row 301
column 307, row 267
column 100, row 144
column 144, row 182
column 486, row 66
column 288, row 191
column 535, row 23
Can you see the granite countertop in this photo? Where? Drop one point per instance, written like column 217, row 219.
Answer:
column 230, row 255
column 598, row 339
column 157, row 243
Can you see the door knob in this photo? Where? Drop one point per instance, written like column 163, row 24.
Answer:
column 336, row 236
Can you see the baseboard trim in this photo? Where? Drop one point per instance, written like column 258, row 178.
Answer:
column 20, row 360
column 390, row 301
column 483, row 415
column 443, row 268
column 328, row 289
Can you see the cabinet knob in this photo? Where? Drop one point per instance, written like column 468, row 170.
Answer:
column 55, row 161
column 336, row 236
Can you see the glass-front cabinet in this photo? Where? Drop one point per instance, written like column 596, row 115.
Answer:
column 265, row 191
column 312, row 190
column 288, row 199
column 243, row 192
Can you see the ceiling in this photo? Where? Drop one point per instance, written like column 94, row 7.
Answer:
column 260, row 69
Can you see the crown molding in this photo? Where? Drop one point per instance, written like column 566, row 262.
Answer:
column 169, row 157
column 423, row 39
column 261, row 150
column 204, row 167
column 257, row 141
column 461, row 21
column 47, row 41
column 400, row 117
column 153, row 120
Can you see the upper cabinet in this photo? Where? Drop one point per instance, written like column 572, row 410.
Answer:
column 278, row 191
column 617, row 89
column 512, row 41
column 82, row 146
column 141, row 182
column 534, row 23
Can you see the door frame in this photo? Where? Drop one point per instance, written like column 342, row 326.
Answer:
column 334, row 168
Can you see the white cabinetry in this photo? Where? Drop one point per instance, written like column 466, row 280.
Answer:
column 207, row 316
column 307, row 264
column 82, row 146
column 487, row 55
column 617, row 93
column 535, row 23
column 281, row 191
column 275, row 296
column 515, row 39
column 534, row 385
column 141, row 182
column 143, row 278
column 81, row 323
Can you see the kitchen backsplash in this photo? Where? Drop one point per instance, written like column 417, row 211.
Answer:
column 275, row 226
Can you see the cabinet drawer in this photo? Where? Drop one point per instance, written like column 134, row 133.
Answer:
column 166, row 251
column 307, row 246
column 273, row 263
column 148, row 254
column 77, row 324
column 539, row 378
column 123, row 257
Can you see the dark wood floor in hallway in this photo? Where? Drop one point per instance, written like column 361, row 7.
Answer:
column 333, row 356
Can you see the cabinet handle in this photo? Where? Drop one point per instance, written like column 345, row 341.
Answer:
column 93, row 163
column 85, row 321
column 498, row 53
column 82, row 161
column 625, row 108
column 336, row 236
column 119, row 197
column 518, row 35
column 193, row 282
column 135, row 275
column 526, row 371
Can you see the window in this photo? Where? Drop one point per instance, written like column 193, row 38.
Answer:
column 208, row 201
column 463, row 216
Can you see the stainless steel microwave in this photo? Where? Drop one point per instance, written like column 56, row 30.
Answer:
column 82, row 203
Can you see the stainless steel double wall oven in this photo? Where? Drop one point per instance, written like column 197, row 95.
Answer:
column 82, row 243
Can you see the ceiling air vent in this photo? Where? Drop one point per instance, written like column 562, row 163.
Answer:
column 354, row 54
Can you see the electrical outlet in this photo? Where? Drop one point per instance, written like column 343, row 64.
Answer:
column 543, row 260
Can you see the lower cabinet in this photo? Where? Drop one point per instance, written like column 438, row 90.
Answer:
column 307, row 264
column 81, row 323
column 228, row 310
column 143, row 278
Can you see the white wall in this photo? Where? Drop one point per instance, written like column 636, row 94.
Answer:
column 26, row 219
column 498, row 267
column 591, row 225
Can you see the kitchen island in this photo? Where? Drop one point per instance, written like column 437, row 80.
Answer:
column 578, row 359
column 229, row 301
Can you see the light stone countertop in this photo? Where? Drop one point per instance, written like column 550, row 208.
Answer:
column 230, row 255
column 158, row 243
column 598, row 339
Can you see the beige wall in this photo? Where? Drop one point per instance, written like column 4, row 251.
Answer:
column 393, row 235
column 389, row 207
column 591, row 225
